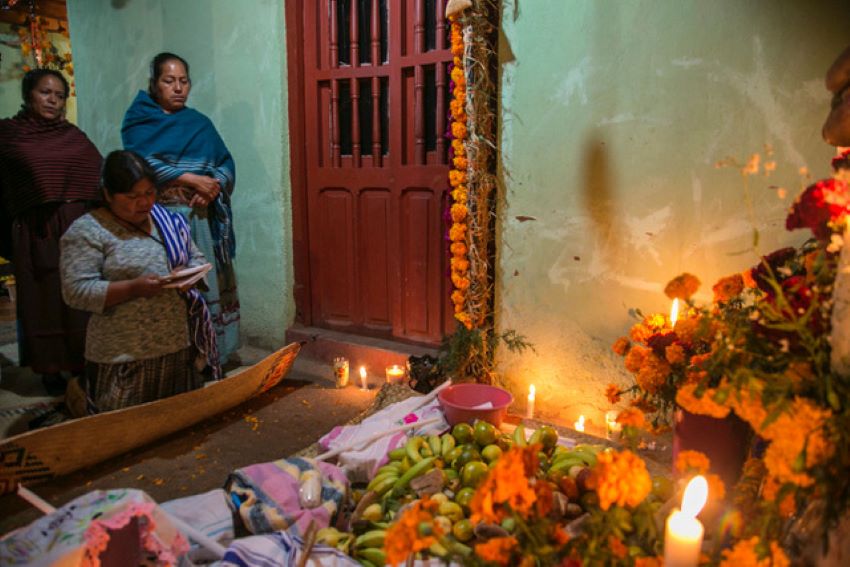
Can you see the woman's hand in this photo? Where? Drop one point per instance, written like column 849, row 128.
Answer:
column 206, row 188
column 147, row 285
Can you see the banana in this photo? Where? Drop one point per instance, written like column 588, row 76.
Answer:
column 366, row 563
column 380, row 479
column 419, row 468
column 397, row 454
column 385, row 485
column 373, row 555
column 394, row 466
column 435, row 443
column 438, row 549
column 413, row 446
column 535, row 437
column 519, row 436
column 585, row 454
column 330, row 536
column 447, row 443
column 566, row 464
column 372, row 538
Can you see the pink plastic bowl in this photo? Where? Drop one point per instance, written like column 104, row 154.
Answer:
column 459, row 401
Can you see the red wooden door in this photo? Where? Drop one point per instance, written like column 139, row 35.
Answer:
column 369, row 208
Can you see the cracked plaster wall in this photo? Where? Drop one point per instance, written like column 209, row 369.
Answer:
column 613, row 116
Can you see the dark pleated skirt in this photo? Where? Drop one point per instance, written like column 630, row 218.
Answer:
column 51, row 335
column 115, row 386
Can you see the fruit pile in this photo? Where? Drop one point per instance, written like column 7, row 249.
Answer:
column 448, row 469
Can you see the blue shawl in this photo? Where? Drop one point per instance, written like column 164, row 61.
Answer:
column 175, row 236
column 185, row 142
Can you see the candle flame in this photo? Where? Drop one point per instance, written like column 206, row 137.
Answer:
column 696, row 493
column 531, row 392
column 579, row 424
column 674, row 312
column 363, row 372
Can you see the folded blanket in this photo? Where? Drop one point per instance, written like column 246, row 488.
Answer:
column 266, row 495
column 281, row 548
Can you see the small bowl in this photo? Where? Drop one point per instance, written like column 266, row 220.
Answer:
column 459, row 403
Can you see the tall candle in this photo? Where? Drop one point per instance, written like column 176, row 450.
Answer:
column 529, row 406
column 683, row 536
column 363, row 384
column 674, row 312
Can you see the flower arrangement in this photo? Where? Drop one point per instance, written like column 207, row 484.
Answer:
column 37, row 47
column 769, row 350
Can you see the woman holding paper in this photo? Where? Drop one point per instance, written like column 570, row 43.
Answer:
column 132, row 265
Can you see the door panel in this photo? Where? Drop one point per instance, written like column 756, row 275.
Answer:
column 373, row 75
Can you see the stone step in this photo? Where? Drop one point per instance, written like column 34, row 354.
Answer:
column 321, row 346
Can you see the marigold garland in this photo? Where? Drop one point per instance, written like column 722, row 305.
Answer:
column 459, row 211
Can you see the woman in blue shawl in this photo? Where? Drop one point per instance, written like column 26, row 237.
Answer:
column 195, row 173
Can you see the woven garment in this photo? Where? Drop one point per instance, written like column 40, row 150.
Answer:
column 115, row 386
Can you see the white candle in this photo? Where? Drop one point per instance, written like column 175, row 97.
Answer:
column 674, row 312
column 612, row 428
column 363, row 383
column 579, row 424
column 683, row 536
column 529, row 406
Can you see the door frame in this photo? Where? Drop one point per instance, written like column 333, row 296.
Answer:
column 294, row 30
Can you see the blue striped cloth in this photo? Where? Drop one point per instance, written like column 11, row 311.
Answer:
column 175, row 233
column 280, row 548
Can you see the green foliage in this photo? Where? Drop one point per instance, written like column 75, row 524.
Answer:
column 468, row 353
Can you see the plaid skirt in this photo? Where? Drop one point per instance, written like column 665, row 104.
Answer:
column 115, row 386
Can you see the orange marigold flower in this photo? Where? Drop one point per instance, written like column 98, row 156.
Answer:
column 404, row 537
column 457, row 232
column 464, row 318
column 621, row 346
column 497, row 549
column 743, row 554
column 460, row 163
column 689, row 330
column 799, row 429
column 692, row 461
column 459, row 130
column 674, row 354
column 788, row 506
column 560, row 535
column 457, row 177
column 682, row 286
column 632, row 417
column 507, row 484
column 748, row 279
column 728, row 288
column 458, row 212
column 618, row 549
column 748, row 406
column 770, row 488
column 653, row 373
column 458, row 147
column 621, row 479
column 458, row 297
column 458, row 76
column 460, row 282
column 460, row 195
column 459, row 264
column 777, row 554
column 612, row 392
column 635, row 358
column 458, row 248
column 704, row 405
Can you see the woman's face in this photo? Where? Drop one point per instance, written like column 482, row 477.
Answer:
column 135, row 206
column 173, row 86
column 47, row 99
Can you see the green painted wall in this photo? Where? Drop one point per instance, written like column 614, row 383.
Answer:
column 11, row 72
column 614, row 113
column 237, row 54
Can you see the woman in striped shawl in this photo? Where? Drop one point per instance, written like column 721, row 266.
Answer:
column 146, row 340
column 196, row 175
column 48, row 178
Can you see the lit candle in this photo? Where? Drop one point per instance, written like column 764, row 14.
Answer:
column 674, row 312
column 395, row 373
column 529, row 406
column 363, row 384
column 683, row 537
column 612, row 427
column 579, row 424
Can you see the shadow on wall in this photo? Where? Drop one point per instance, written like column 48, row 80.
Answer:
column 119, row 4
column 598, row 191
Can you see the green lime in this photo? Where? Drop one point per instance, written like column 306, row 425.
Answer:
column 467, row 453
column 451, row 510
column 505, row 442
column 464, row 497
column 548, row 436
column 473, row 473
column 462, row 530
column 485, row 433
column 662, row 488
column 491, row 453
column 462, row 432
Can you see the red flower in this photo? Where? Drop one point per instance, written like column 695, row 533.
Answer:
column 822, row 203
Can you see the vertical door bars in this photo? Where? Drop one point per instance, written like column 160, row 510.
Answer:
column 354, row 16
column 376, row 84
column 418, row 83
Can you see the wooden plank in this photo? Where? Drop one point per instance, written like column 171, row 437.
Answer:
column 40, row 455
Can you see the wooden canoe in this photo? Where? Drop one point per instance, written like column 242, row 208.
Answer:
column 63, row 448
